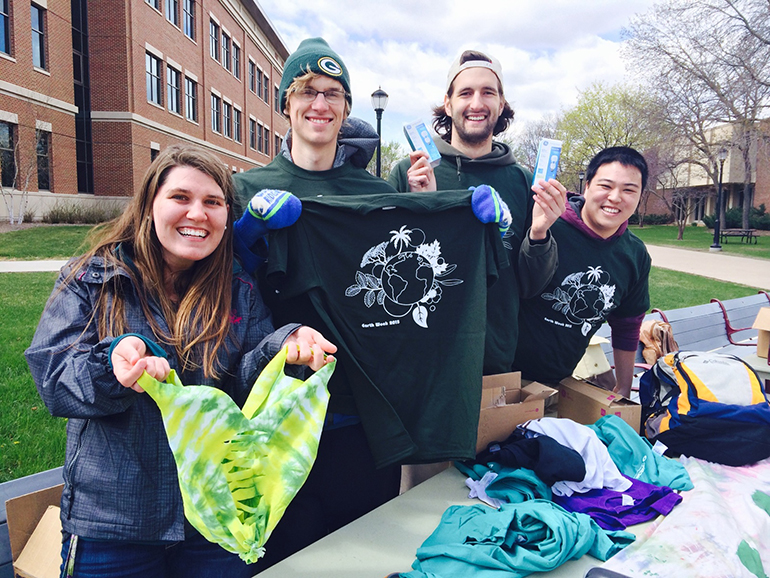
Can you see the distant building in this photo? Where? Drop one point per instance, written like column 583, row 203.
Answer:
column 702, row 191
column 93, row 89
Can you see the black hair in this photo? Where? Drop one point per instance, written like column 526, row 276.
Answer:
column 626, row 156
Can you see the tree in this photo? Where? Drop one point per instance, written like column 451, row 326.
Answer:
column 606, row 116
column 392, row 152
column 525, row 142
column 709, row 60
column 17, row 166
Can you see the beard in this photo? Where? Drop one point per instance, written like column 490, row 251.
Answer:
column 480, row 132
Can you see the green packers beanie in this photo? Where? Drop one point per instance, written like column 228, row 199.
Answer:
column 314, row 55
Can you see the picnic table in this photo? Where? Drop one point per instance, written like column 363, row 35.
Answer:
column 746, row 235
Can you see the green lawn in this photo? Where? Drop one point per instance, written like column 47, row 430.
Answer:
column 700, row 238
column 44, row 242
column 30, row 439
column 673, row 290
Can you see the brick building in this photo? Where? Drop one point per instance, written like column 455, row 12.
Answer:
column 92, row 89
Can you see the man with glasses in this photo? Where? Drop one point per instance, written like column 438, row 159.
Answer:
column 325, row 153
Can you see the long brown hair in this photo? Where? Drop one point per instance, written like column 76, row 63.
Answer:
column 199, row 321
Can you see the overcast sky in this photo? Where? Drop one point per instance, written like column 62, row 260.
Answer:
column 549, row 49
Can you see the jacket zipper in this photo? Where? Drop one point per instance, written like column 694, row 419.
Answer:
column 72, row 465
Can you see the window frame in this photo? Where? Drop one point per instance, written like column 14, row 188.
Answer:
column 216, row 113
column 173, row 91
column 172, row 12
column 156, row 78
column 227, row 44
column 214, row 34
column 39, row 37
column 46, row 156
column 227, row 119
column 190, row 99
column 5, row 26
column 9, row 172
column 188, row 18
column 237, row 115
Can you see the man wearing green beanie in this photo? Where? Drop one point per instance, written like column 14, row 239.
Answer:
column 324, row 153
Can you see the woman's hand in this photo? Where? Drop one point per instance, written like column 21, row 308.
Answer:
column 308, row 347
column 129, row 361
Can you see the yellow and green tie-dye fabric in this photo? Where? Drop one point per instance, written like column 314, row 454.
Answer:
column 239, row 469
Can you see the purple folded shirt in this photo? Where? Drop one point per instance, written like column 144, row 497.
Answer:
column 612, row 512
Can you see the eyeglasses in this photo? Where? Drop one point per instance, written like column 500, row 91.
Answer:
column 332, row 96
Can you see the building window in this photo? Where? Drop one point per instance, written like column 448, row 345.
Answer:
column 260, row 138
column 43, row 160
column 277, row 144
column 226, row 51
column 276, row 99
column 266, row 89
column 5, row 27
column 191, row 99
column 253, row 133
column 236, row 125
column 259, row 83
column 154, row 3
column 38, row 37
column 216, row 112
column 7, row 155
column 153, row 154
column 214, row 39
column 188, row 9
column 236, row 61
column 172, row 12
column 266, row 141
column 152, row 68
column 252, row 76
column 173, row 81
column 227, row 116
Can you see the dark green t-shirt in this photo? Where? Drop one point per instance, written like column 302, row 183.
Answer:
column 399, row 283
column 282, row 174
column 595, row 278
column 512, row 182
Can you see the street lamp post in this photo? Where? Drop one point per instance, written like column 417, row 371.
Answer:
column 721, row 155
column 379, row 102
column 581, row 176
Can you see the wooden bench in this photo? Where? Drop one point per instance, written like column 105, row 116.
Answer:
column 13, row 489
column 746, row 235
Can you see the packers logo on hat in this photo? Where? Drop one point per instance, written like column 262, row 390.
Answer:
column 330, row 66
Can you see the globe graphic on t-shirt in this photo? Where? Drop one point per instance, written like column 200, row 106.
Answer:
column 407, row 278
column 587, row 302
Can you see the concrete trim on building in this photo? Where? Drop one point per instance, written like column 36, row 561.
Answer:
column 118, row 116
column 34, row 97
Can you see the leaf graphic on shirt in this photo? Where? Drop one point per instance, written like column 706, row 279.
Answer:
column 370, row 298
column 420, row 315
column 449, row 282
column 353, row 290
column 374, row 255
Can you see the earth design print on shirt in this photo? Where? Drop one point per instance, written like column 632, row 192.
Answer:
column 404, row 275
column 584, row 297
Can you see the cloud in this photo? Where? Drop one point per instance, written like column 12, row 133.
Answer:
column 549, row 49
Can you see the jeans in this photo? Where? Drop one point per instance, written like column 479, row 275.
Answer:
column 195, row 557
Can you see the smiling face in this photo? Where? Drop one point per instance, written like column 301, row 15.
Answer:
column 316, row 124
column 612, row 196
column 189, row 212
column 475, row 106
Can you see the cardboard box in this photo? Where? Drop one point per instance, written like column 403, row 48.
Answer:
column 506, row 404
column 762, row 323
column 34, row 529
column 585, row 403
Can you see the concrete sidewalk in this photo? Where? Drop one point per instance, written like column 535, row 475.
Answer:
column 743, row 270
column 717, row 265
column 30, row 266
